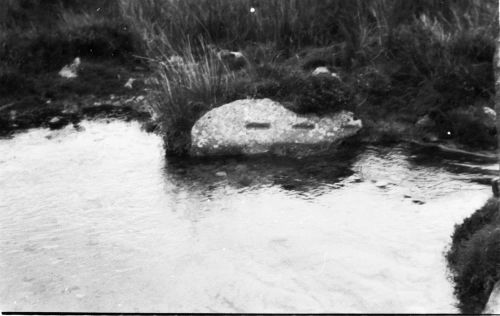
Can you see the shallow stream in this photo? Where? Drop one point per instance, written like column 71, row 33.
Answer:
column 97, row 220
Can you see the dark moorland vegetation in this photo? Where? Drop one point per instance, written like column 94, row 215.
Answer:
column 37, row 38
column 398, row 60
column 475, row 257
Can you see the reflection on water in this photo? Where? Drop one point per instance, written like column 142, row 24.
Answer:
column 99, row 221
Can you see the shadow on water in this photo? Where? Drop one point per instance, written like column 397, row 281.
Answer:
column 474, row 168
column 314, row 175
column 245, row 173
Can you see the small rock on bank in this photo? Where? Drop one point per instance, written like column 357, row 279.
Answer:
column 70, row 71
column 324, row 71
column 57, row 122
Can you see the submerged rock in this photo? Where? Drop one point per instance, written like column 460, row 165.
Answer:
column 256, row 126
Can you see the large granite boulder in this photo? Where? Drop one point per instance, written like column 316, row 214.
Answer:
column 260, row 126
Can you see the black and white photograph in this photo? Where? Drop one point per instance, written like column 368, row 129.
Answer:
column 249, row 156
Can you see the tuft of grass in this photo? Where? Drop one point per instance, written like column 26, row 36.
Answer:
column 185, row 87
column 471, row 127
column 474, row 257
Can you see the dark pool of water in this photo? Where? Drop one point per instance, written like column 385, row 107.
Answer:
column 98, row 220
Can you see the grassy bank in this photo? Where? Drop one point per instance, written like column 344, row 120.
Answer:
column 419, row 69
column 474, row 257
column 399, row 62
column 39, row 37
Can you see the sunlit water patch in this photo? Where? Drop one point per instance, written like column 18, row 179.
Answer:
column 99, row 221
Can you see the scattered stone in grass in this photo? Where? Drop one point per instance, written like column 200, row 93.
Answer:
column 57, row 122
column 324, row 71
column 234, row 60
column 129, row 100
column 320, row 71
column 490, row 113
column 418, row 202
column 407, row 196
column 129, row 83
column 70, row 71
column 221, row 174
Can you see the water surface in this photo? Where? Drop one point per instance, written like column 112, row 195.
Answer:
column 99, row 221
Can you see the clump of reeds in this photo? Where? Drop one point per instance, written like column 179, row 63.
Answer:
column 185, row 87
